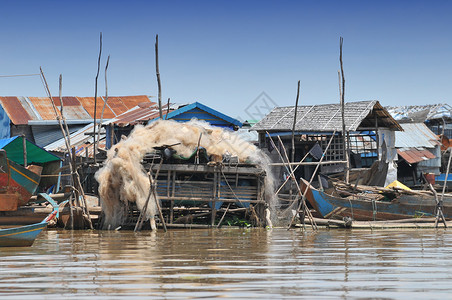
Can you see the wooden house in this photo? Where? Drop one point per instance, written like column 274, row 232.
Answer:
column 369, row 128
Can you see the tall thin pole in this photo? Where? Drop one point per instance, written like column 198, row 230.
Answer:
column 158, row 74
column 292, row 159
column 74, row 172
column 105, row 102
column 95, row 97
column 344, row 134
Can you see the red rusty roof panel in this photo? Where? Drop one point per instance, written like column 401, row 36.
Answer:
column 132, row 101
column 15, row 110
column 28, row 106
column 139, row 114
column 67, row 101
column 88, row 104
column 116, row 105
column 44, row 107
column 413, row 155
column 75, row 113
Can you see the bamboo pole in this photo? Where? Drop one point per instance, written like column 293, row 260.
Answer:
column 105, row 102
column 151, row 193
column 24, row 148
column 292, row 159
column 158, row 75
column 439, row 207
column 312, row 177
column 447, row 173
column 292, row 175
column 294, row 123
column 300, row 193
column 95, row 97
column 344, row 133
column 167, row 109
column 60, row 120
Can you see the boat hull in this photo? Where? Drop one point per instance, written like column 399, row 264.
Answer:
column 22, row 236
column 17, row 184
column 403, row 207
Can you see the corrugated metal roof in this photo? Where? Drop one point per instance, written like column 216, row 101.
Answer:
column 203, row 112
column 131, row 101
column 139, row 114
column 44, row 107
column 421, row 113
column 20, row 110
column 88, row 104
column 46, row 134
column 327, row 117
column 15, row 110
column 81, row 141
column 413, row 155
column 416, row 135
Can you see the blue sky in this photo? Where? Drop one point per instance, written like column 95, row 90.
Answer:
column 226, row 53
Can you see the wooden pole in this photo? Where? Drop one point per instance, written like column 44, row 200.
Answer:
column 68, row 146
column 105, row 102
column 289, row 169
column 60, row 94
column 300, row 193
column 167, row 109
column 447, row 174
column 158, row 75
column 24, row 148
column 294, row 123
column 152, row 192
column 344, row 133
column 313, row 175
column 95, row 97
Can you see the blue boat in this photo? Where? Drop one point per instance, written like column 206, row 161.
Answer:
column 24, row 236
column 375, row 204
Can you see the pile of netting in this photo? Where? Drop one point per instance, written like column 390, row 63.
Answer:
column 123, row 179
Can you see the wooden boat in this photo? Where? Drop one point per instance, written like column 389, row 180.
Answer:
column 24, row 236
column 17, row 183
column 363, row 203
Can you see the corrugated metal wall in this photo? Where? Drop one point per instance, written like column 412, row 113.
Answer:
column 46, row 134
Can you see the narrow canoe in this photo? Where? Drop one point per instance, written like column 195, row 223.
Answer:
column 23, row 236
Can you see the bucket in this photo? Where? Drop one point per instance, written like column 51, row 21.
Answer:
column 430, row 177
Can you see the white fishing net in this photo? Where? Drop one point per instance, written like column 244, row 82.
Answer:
column 122, row 179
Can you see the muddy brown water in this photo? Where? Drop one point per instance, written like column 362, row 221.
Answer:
column 230, row 263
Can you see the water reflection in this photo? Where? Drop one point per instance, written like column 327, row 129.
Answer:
column 236, row 263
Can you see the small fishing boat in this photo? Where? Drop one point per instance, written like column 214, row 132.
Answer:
column 24, row 236
column 21, row 163
column 365, row 203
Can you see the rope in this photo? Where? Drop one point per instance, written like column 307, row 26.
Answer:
column 19, row 75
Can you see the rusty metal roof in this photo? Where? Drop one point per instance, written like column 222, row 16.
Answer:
column 140, row 114
column 412, row 155
column 88, row 104
column 44, row 107
column 15, row 110
column 21, row 110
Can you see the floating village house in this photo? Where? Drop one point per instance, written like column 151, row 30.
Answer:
column 123, row 124
column 419, row 151
column 369, row 126
column 438, row 118
column 35, row 118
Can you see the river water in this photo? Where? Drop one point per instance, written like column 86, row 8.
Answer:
column 230, row 263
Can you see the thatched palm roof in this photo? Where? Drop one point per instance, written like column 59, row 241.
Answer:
column 328, row 117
